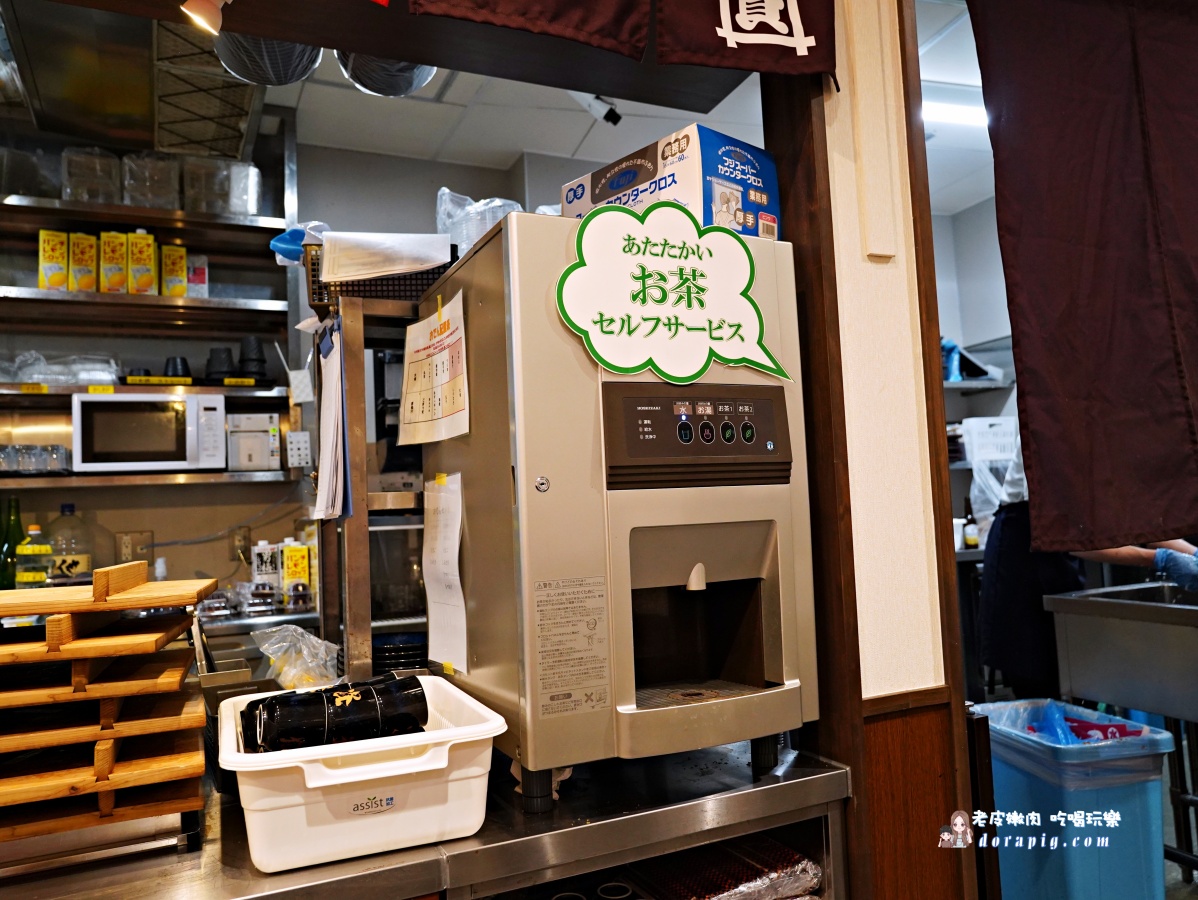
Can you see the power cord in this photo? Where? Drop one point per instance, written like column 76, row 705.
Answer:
column 225, row 532
column 243, row 562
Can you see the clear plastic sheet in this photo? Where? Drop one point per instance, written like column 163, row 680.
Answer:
column 465, row 220
column 1074, row 766
column 91, row 175
column 297, row 659
column 221, row 187
column 31, row 366
column 986, row 494
column 149, row 179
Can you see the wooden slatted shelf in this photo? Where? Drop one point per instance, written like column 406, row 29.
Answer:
column 116, row 588
column 127, row 677
column 47, row 726
column 126, row 744
column 37, row 819
column 122, row 637
column 104, row 766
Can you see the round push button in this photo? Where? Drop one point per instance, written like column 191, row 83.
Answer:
column 686, row 433
column 747, row 432
column 706, row 432
column 727, row 432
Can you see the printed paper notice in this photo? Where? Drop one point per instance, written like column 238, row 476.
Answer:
column 435, row 402
column 442, row 577
column 573, row 651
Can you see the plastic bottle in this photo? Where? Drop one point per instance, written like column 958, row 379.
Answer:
column 970, row 532
column 33, row 559
column 72, row 543
column 10, row 536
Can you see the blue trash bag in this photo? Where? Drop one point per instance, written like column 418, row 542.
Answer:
column 950, row 359
column 1052, row 725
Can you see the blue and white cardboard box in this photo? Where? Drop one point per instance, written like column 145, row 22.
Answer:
column 721, row 180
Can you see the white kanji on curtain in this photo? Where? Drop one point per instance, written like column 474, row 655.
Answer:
column 782, row 16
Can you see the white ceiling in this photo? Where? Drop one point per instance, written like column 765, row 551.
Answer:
column 960, row 162
column 474, row 120
column 470, row 119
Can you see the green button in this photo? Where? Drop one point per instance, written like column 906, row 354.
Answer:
column 747, row 432
column 727, row 432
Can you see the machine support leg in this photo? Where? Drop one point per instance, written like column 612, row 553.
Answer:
column 537, row 790
column 764, row 754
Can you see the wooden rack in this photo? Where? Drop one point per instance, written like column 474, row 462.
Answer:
column 127, row 744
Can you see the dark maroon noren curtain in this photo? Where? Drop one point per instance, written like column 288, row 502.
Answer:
column 1094, row 121
column 792, row 37
column 621, row 26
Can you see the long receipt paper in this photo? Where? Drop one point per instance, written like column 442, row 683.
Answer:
column 442, row 577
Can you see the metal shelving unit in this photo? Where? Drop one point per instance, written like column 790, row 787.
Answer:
column 10, row 389
column 237, row 234
column 146, row 479
column 972, row 385
column 149, row 315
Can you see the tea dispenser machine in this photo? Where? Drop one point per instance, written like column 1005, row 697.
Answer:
column 636, row 554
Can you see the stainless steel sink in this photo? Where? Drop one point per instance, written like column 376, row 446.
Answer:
column 1151, row 592
column 1134, row 645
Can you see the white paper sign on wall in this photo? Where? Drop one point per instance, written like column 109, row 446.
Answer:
column 657, row 291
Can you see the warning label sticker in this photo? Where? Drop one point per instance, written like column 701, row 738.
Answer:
column 573, row 651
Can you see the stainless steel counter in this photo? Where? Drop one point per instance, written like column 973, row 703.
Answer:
column 245, row 624
column 1135, row 646
column 609, row 813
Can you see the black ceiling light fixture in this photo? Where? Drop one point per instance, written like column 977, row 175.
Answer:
column 384, row 77
column 266, row 61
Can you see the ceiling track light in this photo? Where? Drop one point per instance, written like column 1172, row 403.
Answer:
column 955, row 114
column 205, row 14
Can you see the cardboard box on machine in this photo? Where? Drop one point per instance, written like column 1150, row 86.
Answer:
column 721, row 180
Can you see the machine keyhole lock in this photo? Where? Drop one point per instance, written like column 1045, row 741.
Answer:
column 542, row 483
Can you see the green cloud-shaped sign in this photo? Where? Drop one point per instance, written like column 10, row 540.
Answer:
column 656, row 290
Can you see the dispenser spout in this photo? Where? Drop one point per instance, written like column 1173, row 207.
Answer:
column 697, row 580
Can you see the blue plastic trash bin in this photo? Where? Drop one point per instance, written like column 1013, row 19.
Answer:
column 1081, row 859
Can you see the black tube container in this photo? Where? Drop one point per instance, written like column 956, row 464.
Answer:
column 383, row 707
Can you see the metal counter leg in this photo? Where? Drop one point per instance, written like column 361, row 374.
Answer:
column 537, row 790
column 1183, row 840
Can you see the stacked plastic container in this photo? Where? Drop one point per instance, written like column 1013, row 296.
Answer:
column 317, row 804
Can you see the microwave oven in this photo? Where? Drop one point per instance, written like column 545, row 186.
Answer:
column 147, row 432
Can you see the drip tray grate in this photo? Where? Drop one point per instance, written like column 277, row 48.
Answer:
column 684, row 693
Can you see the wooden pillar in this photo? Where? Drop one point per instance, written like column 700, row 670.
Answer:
column 793, row 112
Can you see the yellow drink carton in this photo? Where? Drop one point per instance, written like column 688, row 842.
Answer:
column 114, row 262
column 174, row 271
column 143, row 264
column 82, row 276
column 52, row 260
column 294, row 564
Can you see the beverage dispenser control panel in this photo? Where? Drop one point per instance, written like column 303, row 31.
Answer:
column 662, row 436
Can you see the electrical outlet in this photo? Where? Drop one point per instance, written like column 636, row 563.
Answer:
column 239, row 544
column 132, row 545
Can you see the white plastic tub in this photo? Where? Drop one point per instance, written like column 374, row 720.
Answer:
column 319, row 804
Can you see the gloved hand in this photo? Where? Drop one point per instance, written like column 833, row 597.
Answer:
column 1180, row 567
